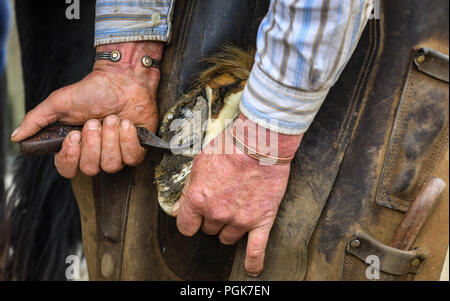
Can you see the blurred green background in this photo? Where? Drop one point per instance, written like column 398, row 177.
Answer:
column 14, row 84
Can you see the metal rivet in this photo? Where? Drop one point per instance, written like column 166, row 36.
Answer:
column 355, row 243
column 420, row 58
column 416, row 261
column 115, row 56
column 147, row 61
column 107, row 266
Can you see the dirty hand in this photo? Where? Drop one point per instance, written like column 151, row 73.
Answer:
column 233, row 194
column 109, row 101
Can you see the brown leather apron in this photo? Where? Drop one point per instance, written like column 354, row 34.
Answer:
column 380, row 135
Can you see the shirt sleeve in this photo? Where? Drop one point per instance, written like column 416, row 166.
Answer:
column 302, row 47
column 129, row 21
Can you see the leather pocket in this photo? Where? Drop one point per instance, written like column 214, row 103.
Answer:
column 420, row 134
column 368, row 259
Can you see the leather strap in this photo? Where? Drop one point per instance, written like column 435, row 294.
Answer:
column 115, row 56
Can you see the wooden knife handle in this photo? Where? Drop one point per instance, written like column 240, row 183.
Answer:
column 48, row 140
column 417, row 214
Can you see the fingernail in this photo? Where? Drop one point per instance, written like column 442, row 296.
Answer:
column 16, row 131
column 253, row 275
column 111, row 120
column 125, row 124
column 74, row 138
column 175, row 208
column 92, row 125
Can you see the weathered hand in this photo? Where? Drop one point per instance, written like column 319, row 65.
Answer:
column 125, row 90
column 234, row 194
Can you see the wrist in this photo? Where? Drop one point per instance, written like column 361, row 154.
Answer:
column 264, row 140
column 131, row 57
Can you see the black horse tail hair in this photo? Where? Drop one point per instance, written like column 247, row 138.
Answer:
column 41, row 223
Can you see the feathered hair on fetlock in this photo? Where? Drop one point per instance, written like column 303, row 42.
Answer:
column 231, row 60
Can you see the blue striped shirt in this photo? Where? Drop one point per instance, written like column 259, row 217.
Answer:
column 302, row 47
column 119, row 21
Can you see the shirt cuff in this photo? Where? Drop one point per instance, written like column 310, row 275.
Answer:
column 132, row 21
column 279, row 108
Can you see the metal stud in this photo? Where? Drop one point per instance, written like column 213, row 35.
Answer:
column 420, row 58
column 355, row 243
column 115, row 56
column 147, row 61
column 416, row 261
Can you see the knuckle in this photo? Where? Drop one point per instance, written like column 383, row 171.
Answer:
column 54, row 97
column 109, row 138
column 111, row 166
column 186, row 231
column 70, row 153
column 60, row 169
column 255, row 253
column 227, row 240
column 67, row 157
column 89, row 170
column 219, row 214
column 55, row 94
column 231, row 236
column 28, row 117
column 34, row 120
column 244, row 221
column 209, row 230
column 132, row 159
column 92, row 144
column 130, row 146
column 66, row 174
column 196, row 199
column 91, row 140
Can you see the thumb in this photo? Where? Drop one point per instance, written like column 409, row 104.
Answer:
column 175, row 209
column 41, row 116
column 148, row 118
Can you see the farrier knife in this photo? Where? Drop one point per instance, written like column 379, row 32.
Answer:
column 50, row 139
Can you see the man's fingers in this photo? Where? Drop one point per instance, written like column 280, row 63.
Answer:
column 91, row 144
column 211, row 227
column 230, row 235
column 66, row 161
column 175, row 209
column 256, row 247
column 111, row 157
column 188, row 221
column 132, row 152
column 38, row 118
